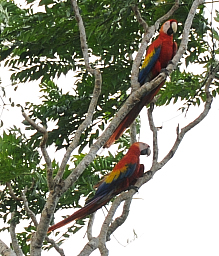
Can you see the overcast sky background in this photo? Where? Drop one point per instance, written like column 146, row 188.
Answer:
column 177, row 212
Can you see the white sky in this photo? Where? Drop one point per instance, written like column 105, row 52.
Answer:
column 176, row 213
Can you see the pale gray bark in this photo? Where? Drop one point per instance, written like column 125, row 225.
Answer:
column 5, row 250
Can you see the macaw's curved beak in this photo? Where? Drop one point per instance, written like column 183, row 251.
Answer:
column 146, row 151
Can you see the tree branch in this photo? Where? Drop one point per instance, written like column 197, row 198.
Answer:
column 139, row 18
column 90, row 226
column 27, row 209
column 133, row 132
column 91, row 246
column 14, row 240
column 83, row 39
column 105, row 230
column 11, row 192
column 96, row 93
column 133, row 99
column 154, row 131
column 187, row 128
column 82, row 127
column 45, row 154
column 180, row 135
column 5, row 250
column 33, row 218
column 57, row 192
column 54, row 244
column 168, row 14
column 119, row 220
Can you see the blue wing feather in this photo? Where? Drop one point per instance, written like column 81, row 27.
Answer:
column 108, row 188
column 150, row 60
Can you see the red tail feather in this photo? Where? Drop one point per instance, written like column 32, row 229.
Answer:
column 130, row 117
column 80, row 214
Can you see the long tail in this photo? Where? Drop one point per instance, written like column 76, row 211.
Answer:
column 130, row 117
column 89, row 208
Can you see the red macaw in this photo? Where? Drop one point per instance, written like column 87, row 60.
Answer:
column 158, row 54
column 123, row 176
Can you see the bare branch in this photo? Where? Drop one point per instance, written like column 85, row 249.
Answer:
column 29, row 212
column 11, row 192
column 133, row 132
column 96, row 93
column 5, row 250
column 56, row 193
column 121, row 219
column 14, row 240
column 103, row 249
column 90, row 226
column 32, row 216
column 154, row 131
column 168, row 14
column 105, row 231
column 185, row 35
column 83, row 126
column 54, row 244
column 180, row 134
column 43, row 149
column 91, row 246
column 84, row 46
column 139, row 18
column 184, row 130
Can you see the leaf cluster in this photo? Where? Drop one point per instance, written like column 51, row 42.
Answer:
column 17, row 157
column 30, row 177
column 47, row 44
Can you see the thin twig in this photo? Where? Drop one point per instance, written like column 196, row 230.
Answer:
column 43, row 149
column 82, row 127
column 119, row 220
column 83, row 38
column 54, row 244
column 139, row 18
column 32, row 216
column 27, row 209
column 11, row 192
column 154, row 131
column 90, row 227
column 188, row 127
column 14, row 240
column 168, row 14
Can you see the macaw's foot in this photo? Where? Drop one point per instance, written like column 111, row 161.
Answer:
column 164, row 70
column 170, row 62
column 133, row 187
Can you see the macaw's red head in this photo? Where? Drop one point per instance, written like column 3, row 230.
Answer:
column 169, row 27
column 144, row 148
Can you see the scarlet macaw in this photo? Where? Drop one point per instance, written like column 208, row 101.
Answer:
column 123, row 176
column 158, row 54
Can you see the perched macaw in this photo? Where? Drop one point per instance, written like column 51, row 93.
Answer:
column 123, row 176
column 158, row 54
